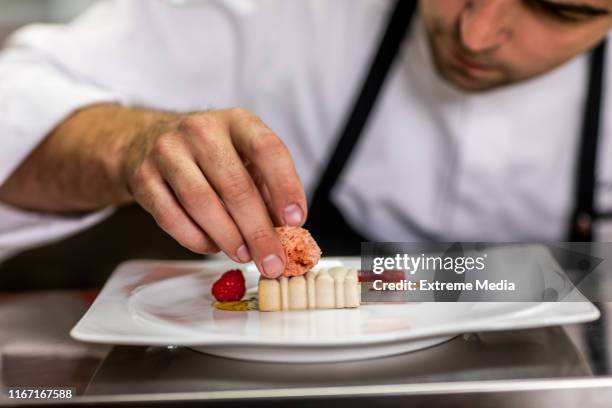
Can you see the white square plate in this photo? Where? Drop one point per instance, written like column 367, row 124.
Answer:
column 169, row 303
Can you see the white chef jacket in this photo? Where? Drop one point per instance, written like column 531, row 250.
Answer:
column 434, row 162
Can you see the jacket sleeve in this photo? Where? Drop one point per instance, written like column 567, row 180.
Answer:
column 36, row 93
column 165, row 54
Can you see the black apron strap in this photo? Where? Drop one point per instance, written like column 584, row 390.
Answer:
column 581, row 227
column 325, row 222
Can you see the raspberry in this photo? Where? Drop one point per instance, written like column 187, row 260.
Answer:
column 229, row 287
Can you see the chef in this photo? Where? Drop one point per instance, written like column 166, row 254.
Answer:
column 365, row 119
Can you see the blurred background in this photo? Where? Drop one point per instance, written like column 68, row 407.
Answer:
column 15, row 13
column 85, row 260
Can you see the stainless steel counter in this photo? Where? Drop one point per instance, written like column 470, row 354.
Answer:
column 559, row 366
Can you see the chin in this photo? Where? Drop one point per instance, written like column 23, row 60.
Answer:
column 468, row 84
column 462, row 81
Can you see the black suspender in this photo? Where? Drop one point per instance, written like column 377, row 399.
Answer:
column 584, row 211
column 325, row 222
column 396, row 29
column 581, row 227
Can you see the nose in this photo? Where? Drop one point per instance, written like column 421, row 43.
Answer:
column 483, row 25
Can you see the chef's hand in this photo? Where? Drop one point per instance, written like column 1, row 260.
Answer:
column 219, row 180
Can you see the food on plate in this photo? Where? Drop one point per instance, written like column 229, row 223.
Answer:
column 390, row 275
column 333, row 288
column 301, row 250
column 269, row 294
column 237, row 306
column 300, row 287
column 230, row 287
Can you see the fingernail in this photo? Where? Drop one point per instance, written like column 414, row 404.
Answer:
column 293, row 215
column 243, row 254
column 272, row 266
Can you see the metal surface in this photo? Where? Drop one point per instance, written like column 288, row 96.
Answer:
column 559, row 366
column 543, row 353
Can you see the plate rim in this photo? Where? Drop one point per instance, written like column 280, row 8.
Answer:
column 81, row 333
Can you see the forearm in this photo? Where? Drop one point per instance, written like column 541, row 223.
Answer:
column 214, row 180
column 79, row 165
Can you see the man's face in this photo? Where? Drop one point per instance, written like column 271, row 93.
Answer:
column 482, row 44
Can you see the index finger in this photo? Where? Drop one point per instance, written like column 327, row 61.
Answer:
column 225, row 171
column 260, row 145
